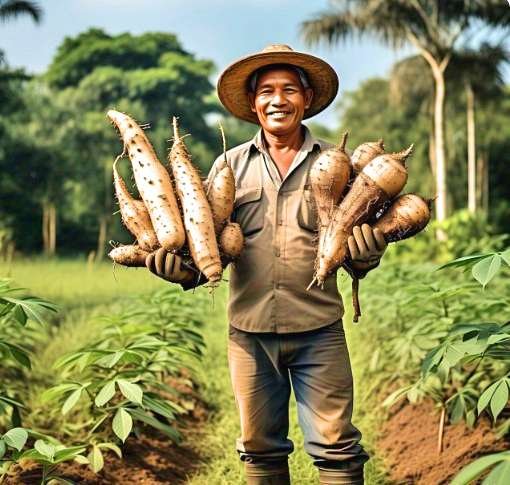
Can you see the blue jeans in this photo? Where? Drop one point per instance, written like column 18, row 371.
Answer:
column 263, row 366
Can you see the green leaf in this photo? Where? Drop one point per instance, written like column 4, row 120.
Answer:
column 96, row 460
column 71, row 401
column 171, row 432
column 30, row 307
column 500, row 475
column 499, row 399
column 464, row 261
column 457, row 412
column 475, row 469
column 131, row 391
column 45, row 449
column 112, row 359
column 69, row 453
column 3, row 448
column 486, row 269
column 16, row 438
column 111, row 446
column 105, row 394
column 158, row 406
column 122, row 424
column 20, row 355
column 506, row 256
column 56, row 391
column 395, row 396
column 82, row 460
column 486, row 396
column 5, row 467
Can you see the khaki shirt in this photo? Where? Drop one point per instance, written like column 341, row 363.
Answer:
column 279, row 222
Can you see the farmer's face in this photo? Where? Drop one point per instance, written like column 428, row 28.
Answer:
column 280, row 101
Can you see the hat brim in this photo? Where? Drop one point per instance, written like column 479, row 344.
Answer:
column 233, row 83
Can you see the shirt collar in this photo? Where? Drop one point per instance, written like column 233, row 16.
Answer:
column 309, row 143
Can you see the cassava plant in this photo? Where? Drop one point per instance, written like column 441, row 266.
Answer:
column 119, row 381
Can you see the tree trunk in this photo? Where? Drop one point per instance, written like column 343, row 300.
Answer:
column 471, row 147
column 486, row 186
column 45, row 227
column 52, row 229
column 101, row 237
column 441, row 194
column 432, row 152
column 482, row 181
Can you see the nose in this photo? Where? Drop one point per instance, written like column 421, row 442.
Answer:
column 278, row 99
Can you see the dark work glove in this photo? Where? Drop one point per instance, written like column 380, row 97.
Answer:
column 366, row 247
column 169, row 266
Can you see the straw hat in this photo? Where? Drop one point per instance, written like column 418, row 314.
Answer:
column 233, row 82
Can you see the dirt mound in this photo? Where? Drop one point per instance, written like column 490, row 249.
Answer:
column 409, row 445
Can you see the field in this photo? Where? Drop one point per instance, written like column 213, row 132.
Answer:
column 82, row 291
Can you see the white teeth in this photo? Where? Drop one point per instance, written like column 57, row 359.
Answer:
column 278, row 114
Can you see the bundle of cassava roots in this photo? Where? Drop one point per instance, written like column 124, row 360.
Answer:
column 176, row 212
column 357, row 189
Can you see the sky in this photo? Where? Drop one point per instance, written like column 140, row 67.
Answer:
column 220, row 30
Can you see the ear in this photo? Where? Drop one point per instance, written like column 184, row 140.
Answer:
column 251, row 99
column 308, row 97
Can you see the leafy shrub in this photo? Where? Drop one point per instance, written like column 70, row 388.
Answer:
column 119, row 380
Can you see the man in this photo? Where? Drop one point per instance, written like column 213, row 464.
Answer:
column 281, row 334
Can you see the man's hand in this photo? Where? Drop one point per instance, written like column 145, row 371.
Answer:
column 366, row 247
column 168, row 266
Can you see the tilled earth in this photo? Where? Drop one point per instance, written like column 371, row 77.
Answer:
column 409, row 445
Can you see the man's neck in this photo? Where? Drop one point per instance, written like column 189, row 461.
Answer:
column 283, row 148
column 285, row 142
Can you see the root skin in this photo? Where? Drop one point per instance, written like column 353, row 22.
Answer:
column 407, row 216
column 129, row 255
column 135, row 215
column 197, row 214
column 153, row 182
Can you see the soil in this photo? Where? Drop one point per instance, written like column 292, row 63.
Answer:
column 409, row 445
column 151, row 459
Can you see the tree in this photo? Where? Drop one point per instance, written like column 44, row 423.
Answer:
column 480, row 71
column 435, row 28
column 12, row 9
column 149, row 76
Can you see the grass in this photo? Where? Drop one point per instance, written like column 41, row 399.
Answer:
column 74, row 283
column 82, row 290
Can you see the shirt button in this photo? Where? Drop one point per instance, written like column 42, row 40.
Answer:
column 280, row 222
column 277, row 252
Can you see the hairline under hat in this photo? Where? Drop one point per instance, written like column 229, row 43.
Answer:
column 252, row 80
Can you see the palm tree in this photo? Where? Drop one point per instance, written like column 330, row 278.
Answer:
column 12, row 9
column 480, row 72
column 433, row 27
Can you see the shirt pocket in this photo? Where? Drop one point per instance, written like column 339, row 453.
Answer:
column 307, row 213
column 248, row 211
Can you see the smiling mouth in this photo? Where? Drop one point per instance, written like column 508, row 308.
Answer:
column 278, row 115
